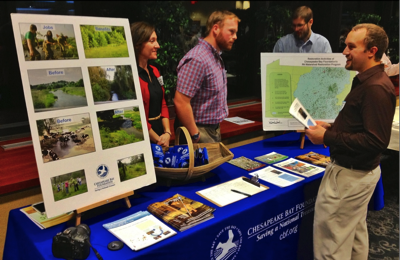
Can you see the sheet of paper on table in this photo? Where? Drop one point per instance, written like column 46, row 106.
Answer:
column 222, row 194
column 276, row 177
column 238, row 120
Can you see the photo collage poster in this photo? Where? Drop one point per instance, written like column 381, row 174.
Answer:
column 85, row 108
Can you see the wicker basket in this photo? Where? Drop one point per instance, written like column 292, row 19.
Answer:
column 217, row 155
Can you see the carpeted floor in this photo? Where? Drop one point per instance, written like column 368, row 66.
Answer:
column 383, row 225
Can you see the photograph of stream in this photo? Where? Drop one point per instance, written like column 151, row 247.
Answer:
column 54, row 89
column 120, row 127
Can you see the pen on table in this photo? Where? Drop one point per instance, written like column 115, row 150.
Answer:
column 248, row 195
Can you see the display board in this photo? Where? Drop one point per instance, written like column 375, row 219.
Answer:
column 318, row 80
column 85, row 108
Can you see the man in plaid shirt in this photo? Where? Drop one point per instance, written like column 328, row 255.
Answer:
column 201, row 91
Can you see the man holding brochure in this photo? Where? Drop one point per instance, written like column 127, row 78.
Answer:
column 360, row 133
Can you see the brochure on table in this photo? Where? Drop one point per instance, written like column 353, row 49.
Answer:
column 85, row 108
column 276, row 177
column 299, row 167
column 139, row 230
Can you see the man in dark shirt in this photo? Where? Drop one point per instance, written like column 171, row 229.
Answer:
column 360, row 133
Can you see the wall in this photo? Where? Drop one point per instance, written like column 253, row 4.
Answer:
column 202, row 9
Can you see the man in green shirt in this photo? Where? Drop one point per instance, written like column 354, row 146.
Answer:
column 31, row 42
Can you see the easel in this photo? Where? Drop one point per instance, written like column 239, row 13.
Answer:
column 101, row 203
column 302, row 137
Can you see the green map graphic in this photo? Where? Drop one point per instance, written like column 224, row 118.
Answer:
column 321, row 90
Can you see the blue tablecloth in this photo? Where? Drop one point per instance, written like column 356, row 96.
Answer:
column 274, row 224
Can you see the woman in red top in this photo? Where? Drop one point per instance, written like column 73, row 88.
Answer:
column 145, row 44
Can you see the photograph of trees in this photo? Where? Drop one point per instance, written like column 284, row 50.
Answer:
column 131, row 167
column 104, row 41
column 112, row 83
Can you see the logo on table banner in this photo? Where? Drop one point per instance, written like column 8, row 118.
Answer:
column 227, row 244
column 102, row 172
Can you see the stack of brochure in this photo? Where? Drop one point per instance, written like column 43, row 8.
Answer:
column 180, row 212
column 139, row 230
column 41, row 219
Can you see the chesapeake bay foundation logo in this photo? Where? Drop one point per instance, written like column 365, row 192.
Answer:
column 227, row 244
column 102, row 172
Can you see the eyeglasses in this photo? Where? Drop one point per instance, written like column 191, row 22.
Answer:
column 299, row 26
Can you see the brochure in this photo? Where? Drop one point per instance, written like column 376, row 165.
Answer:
column 276, row 177
column 231, row 191
column 238, row 120
column 315, row 158
column 299, row 167
column 271, row 158
column 139, row 230
column 298, row 111
column 246, row 163
column 41, row 219
column 181, row 212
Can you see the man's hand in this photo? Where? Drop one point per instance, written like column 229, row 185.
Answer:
column 323, row 124
column 316, row 133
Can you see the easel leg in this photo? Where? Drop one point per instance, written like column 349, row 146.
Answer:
column 127, row 202
column 78, row 219
column 302, row 137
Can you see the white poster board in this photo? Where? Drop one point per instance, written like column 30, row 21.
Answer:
column 85, row 108
column 318, row 80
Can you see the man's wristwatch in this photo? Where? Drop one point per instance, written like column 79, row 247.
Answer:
column 196, row 136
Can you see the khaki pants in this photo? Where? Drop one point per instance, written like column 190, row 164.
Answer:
column 340, row 228
column 209, row 134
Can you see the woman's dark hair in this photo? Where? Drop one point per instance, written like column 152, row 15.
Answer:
column 141, row 32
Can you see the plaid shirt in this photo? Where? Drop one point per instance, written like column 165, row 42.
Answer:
column 202, row 76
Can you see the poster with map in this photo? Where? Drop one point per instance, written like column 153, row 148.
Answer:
column 318, row 80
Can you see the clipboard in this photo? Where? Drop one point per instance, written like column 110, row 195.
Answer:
column 222, row 194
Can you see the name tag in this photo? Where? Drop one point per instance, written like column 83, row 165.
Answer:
column 160, row 80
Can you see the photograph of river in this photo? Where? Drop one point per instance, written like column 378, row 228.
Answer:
column 65, row 137
column 53, row 89
column 112, row 83
column 120, row 127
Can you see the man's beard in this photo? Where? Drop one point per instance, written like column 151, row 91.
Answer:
column 304, row 34
column 222, row 44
